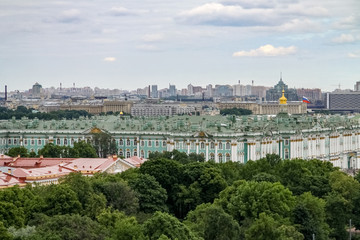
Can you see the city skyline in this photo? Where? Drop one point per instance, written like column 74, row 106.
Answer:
column 134, row 44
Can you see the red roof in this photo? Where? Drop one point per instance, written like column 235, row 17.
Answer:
column 90, row 164
column 135, row 161
column 6, row 180
column 46, row 172
column 33, row 162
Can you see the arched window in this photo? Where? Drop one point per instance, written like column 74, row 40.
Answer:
column 121, row 153
column 39, row 141
column 135, row 153
column 227, row 146
column 149, row 143
column 128, row 154
column 164, row 143
column 212, row 156
column 286, row 153
column 142, row 143
column 212, row 145
column 220, row 157
column 57, row 141
column 156, row 143
column 128, row 142
column 202, row 145
column 121, row 142
column 227, row 157
column 220, row 145
column 65, row 142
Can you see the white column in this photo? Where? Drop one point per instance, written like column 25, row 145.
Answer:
column 233, row 152
column 207, row 151
column 197, row 146
column 216, row 153
column 188, row 146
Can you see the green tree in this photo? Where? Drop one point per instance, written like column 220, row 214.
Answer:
column 309, row 215
column 210, row 222
column 71, row 227
column 61, row 199
column 104, row 144
column 268, row 228
column 10, row 215
column 164, row 224
column 119, row 195
column 51, row 150
column 338, row 213
column 85, row 150
column 248, row 199
column 18, row 151
column 235, row 111
column 152, row 197
column 4, row 234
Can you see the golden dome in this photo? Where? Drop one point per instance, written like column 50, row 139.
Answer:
column 283, row 99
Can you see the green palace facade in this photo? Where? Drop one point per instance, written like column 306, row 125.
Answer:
column 217, row 138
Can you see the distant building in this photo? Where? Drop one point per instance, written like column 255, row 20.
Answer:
column 147, row 109
column 313, row 94
column 172, row 90
column 357, row 86
column 154, row 91
column 223, row 91
column 347, row 101
column 273, row 94
column 36, row 90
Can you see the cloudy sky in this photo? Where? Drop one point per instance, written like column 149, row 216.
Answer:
column 130, row 43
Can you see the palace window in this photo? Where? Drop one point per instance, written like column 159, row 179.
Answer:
column 128, row 142
column 202, row 145
column 15, row 141
column 227, row 146
column 25, row 141
column 135, row 153
column 65, row 142
column 212, row 156
column 57, row 141
column 121, row 142
column 32, row 142
column 220, row 157
column 220, row 145
column 164, row 143
column 227, row 157
column 286, row 142
column 149, row 143
column 9, row 141
column 121, row 153
column 212, row 145
column 286, row 153
column 156, row 143
column 128, row 154
column 142, row 143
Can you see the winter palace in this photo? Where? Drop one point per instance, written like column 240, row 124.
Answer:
column 332, row 138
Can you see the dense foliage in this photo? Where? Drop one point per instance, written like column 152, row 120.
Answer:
column 22, row 111
column 176, row 196
column 235, row 111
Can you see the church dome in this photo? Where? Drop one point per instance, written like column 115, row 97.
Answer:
column 283, row 99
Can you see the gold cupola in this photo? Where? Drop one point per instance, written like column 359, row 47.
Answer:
column 283, row 99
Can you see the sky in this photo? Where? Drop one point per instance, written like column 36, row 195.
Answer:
column 130, row 44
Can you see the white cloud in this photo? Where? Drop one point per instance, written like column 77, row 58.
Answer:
column 122, row 11
column 70, row 15
column 101, row 40
column 152, row 37
column 346, row 38
column 300, row 25
column 147, row 47
column 109, row 59
column 354, row 54
column 223, row 15
column 267, row 51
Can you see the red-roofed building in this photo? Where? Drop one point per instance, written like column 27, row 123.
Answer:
column 7, row 180
column 49, row 170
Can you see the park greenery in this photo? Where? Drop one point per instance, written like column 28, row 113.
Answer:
column 30, row 113
column 235, row 111
column 176, row 196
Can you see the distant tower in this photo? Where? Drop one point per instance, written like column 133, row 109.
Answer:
column 5, row 92
column 60, row 86
column 36, row 90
